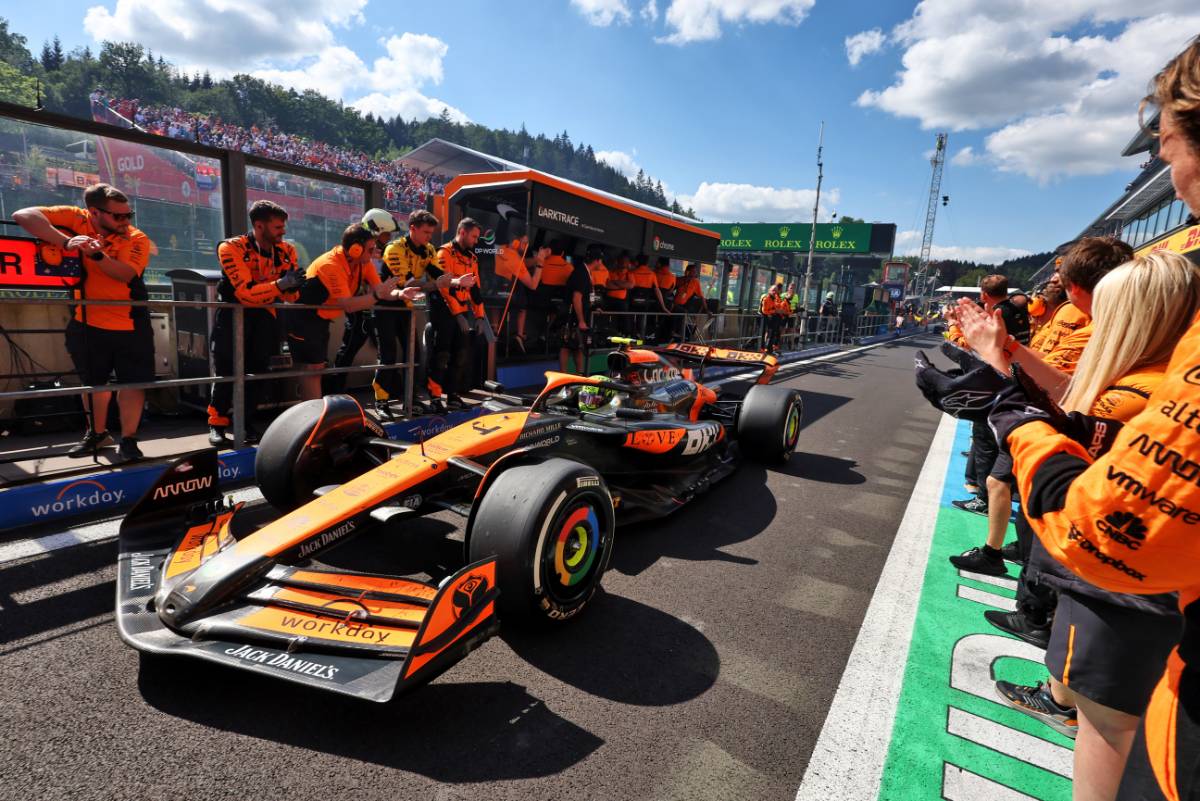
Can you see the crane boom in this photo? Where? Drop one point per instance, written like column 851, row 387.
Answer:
column 938, row 160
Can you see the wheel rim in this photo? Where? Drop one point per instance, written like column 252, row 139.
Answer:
column 791, row 427
column 572, row 556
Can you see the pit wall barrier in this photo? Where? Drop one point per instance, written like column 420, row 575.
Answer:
column 112, row 491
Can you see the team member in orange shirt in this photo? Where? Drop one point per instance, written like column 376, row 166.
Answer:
column 258, row 270
column 455, row 310
column 512, row 264
column 103, row 340
column 773, row 309
column 616, row 299
column 689, row 298
column 333, row 281
column 645, row 296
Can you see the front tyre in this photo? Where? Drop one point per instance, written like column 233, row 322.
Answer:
column 550, row 527
column 768, row 425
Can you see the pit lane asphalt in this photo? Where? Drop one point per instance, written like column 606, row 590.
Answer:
column 703, row 670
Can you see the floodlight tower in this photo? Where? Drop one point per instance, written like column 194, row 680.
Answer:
column 938, row 160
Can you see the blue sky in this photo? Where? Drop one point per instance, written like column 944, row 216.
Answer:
column 721, row 99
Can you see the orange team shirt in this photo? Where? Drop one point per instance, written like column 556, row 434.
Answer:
column 666, row 278
column 336, row 280
column 600, row 276
column 1126, row 520
column 1126, row 397
column 1067, row 320
column 250, row 274
column 686, row 290
column 555, row 271
column 509, row 264
column 643, row 277
column 133, row 248
column 618, row 274
column 452, row 261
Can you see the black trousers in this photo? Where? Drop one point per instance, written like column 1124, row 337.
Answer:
column 451, row 353
column 983, row 453
column 772, row 326
column 1035, row 599
column 391, row 329
column 358, row 329
column 261, row 338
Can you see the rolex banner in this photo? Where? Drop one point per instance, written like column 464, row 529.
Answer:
column 793, row 237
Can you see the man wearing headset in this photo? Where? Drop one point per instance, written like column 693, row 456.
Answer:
column 258, row 270
column 360, row 326
column 455, row 310
column 333, row 280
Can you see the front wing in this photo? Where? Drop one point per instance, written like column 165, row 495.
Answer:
column 369, row 636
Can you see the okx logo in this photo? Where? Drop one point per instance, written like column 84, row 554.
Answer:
column 79, row 496
column 1123, row 527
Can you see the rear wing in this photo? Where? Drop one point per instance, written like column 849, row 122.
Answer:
column 703, row 355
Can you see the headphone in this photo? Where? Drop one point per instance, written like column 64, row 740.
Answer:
column 356, row 250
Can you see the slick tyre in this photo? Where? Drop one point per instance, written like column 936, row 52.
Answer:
column 312, row 445
column 768, row 425
column 550, row 527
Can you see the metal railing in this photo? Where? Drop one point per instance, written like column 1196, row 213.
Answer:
column 239, row 377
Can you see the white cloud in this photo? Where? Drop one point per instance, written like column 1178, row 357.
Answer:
column 967, row 157
column 649, row 11
column 864, row 44
column 721, row 202
column 603, row 13
column 1061, row 89
column 407, row 103
column 620, row 161
column 701, row 20
column 225, row 37
column 908, row 243
column 220, row 34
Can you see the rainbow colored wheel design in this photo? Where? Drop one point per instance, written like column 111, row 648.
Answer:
column 791, row 428
column 572, row 555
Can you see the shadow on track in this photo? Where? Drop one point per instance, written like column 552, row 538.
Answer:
column 623, row 651
column 822, row 468
column 24, row 614
column 457, row 733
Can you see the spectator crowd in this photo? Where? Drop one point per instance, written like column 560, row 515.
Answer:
column 406, row 188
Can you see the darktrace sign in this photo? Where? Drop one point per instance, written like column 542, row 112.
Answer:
column 793, row 237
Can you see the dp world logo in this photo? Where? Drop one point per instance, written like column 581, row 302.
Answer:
column 783, row 231
column 488, row 237
column 837, row 232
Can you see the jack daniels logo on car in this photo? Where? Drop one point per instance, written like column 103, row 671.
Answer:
column 325, row 538
column 306, row 667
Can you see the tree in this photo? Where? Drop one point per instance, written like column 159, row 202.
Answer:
column 14, row 50
column 15, row 87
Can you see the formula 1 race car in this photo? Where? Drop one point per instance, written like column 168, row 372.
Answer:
column 542, row 484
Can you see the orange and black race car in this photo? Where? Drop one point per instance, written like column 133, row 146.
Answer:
column 541, row 484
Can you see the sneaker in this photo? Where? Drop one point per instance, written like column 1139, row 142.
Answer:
column 977, row 505
column 216, row 436
column 455, row 402
column 92, row 442
column 251, row 435
column 977, row 560
column 128, row 450
column 1011, row 552
column 384, row 410
column 1018, row 625
column 1039, row 704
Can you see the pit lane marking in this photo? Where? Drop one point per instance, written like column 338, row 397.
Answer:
column 844, row 764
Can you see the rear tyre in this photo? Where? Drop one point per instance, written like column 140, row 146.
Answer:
column 550, row 527
column 768, row 424
column 294, row 458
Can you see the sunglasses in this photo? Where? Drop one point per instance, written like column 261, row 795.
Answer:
column 117, row 215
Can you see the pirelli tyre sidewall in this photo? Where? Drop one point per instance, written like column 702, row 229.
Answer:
column 768, row 425
column 550, row 526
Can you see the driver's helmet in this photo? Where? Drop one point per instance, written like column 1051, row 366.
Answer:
column 593, row 398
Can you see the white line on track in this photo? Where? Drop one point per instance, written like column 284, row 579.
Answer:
column 107, row 529
column 847, row 762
